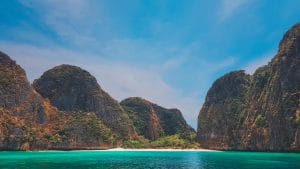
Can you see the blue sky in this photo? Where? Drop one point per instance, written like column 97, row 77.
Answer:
column 167, row 51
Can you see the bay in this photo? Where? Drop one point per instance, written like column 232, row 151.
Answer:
column 147, row 160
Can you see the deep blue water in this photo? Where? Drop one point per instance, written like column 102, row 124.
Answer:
column 148, row 160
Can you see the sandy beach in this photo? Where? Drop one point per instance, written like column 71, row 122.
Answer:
column 163, row 150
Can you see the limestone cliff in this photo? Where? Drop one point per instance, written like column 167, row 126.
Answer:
column 221, row 116
column 28, row 121
column 259, row 112
column 25, row 115
column 70, row 88
column 67, row 109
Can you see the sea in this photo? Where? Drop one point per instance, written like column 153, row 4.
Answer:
column 147, row 160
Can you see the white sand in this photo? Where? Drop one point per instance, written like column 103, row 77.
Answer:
column 138, row 150
column 162, row 150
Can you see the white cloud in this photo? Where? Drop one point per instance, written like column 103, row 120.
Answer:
column 72, row 20
column 231, row 7
column 121, row 80
column 261, row 61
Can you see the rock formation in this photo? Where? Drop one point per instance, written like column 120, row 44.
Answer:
column 67, row 109
column 153, row 121
column 28, row 121
column 259, row 112
column 25, row 115
column 221, row 116
column 70, row 88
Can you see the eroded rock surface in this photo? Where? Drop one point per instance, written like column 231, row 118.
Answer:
column 258, row 112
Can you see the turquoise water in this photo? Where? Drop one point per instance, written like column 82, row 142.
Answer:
column 148, row 160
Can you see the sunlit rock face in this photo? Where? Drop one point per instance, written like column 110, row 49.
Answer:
column 257, row 112
column 24, row 114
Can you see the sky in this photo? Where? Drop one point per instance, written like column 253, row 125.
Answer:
column 167, row 51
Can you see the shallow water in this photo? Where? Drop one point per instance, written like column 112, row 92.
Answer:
column 148, row 160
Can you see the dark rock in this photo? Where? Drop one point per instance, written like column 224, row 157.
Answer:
column 71, row 88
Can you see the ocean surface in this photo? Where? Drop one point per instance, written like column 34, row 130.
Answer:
column 148, row 160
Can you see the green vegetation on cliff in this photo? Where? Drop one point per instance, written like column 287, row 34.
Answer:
column 173, row 141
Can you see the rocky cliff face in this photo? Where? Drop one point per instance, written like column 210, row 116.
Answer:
column 28, row 121
column 25, row 115
column 67, row 109
column 258, row 112
column 153, row 121
column 220, row 118
column 71, row 88
column 15, row 88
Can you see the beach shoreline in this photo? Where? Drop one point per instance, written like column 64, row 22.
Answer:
column 161, row 150
column 132, row 150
